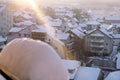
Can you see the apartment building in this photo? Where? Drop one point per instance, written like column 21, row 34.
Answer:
column 99, row 42
column 6, row 20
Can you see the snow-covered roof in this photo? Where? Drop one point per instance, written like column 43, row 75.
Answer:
column 118, row 61
column 26, row 23
column 1, row 77
column 26, row 16
column 113, row 17
column 23, row 14
column 82, row 25
column 102, row 30
column 17, row 13
column 2, row 39
column 93, row 23
column 32, row 60
column 2, row 46
column 60, row 9
column 70, row 14
column 87, row 73
column 105, row 32
column 116, row 36
column 72, row 25
column 63, row 36
column 48, row 18
column 15, row 29
column 78, row 33
column 113, row 76
column 109, row 27
column 71, row 65
column 40, row 29
column 55, row 23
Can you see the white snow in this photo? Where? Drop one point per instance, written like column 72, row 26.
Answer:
column 17, row 14
column 2, row 46
column 116, row 36
column 72, row 25
column 118, row 61
column 87, row 73
column 23, row 14
column 71, row 65
column 25, row 23
column 15, row 29
column 63, row 36
column 55, row 22
column 113, row 17
column 78, row 33
column 2, row 39
column 1, row 77
column 97, row 34
column 93, row 23
column 113, row 76
column 34, row 60
column 26, row 16
column 40, row 29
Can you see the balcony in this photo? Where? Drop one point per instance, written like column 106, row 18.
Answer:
column 96, row 46
column 69, row 44
column 96, row 51
column 97, row 35
column 97, row 41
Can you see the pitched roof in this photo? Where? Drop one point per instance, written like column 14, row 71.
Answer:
column 101, row 30
column 78, row 33
column 15, row 29
column 93, row 23
column 113, row 76
column 87, row 73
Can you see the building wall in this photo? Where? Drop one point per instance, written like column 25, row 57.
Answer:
column 39, row 36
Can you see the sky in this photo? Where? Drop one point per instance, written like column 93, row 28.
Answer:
column 89, row 2
column 84, row 1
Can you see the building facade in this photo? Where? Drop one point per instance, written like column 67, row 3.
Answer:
column 6, row 20
column 98, row 42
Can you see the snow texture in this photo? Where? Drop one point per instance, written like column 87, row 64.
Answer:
column 15, row 29
column 87, row 73
column 2, row 78
column 2, row 39
column 113, row 76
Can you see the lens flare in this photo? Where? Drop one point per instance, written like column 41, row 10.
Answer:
column 41, row 17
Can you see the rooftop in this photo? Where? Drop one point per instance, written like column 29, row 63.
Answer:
column 63, row 36
column 15, row 29
column 40, row 29
column 2, row 39
column 87, row 73
column 78, row 33
column 113, row 76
